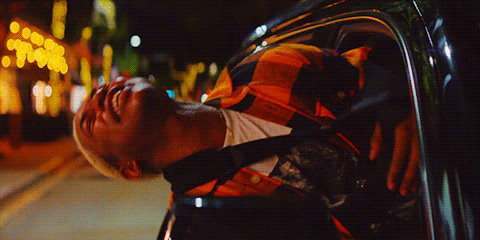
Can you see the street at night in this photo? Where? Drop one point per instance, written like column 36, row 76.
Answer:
column 56, row 52
column 239, row 119
column 56, row 194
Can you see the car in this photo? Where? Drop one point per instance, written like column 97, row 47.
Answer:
column 433, row 47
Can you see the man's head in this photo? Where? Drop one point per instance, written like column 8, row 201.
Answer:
column 117, row 124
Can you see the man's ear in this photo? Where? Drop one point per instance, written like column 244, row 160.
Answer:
column 131, row 170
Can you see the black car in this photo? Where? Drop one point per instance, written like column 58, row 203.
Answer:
column 431, row 50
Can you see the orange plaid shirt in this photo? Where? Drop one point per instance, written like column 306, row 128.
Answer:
column 288, row 84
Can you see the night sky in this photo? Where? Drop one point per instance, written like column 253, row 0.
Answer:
column 187, row 30
column 195, row 30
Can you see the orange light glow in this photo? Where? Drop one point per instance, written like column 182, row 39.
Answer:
column 6, row 61
column 26, row 33
column 14, row 27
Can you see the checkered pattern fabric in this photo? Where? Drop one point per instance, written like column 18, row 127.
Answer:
column 290, row 84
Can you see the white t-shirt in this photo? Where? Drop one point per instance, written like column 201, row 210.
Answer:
column 242, row 128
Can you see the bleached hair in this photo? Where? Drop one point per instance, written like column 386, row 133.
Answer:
column 97, row 161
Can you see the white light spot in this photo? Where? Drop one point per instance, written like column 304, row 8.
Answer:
column 261, row 30
column 447, row 79
column 135, row 41
column 36, row 90
column 264, row 43
column 198, row 202
column 431, row 60
column 48, row 91
column 101, row 80
column 204, row 97
column 448, row 51
column 213, row 69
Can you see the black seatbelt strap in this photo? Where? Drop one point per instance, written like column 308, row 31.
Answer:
column 208, row 165
column 211, row 164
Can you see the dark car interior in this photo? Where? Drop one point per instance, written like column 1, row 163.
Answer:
column 371, row 211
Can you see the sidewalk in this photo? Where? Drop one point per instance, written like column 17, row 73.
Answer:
column 21, row 167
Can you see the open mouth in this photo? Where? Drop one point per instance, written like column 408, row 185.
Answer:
column 116, row 99
column 115, row 103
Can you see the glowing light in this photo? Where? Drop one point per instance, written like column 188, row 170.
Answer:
column 171, row 94
column 18, row 43
column 39, row 100
column 20, row 63
column 10, row 44
column 213, row 69
column 42, row 63
column 107, row 62
column 59, row 30
column 14, row 27
column 78, row 93
column 60, row 50
column 198, row 202
column 6, row 61
column 135, row 41
column 48, row 91
column 201, row 67
column 50, row 65
column 204, row 97
column 49, row 44
column 36, row 90
column 448, row 51
column 21, row 55
column 264, row 43
column 30, row 57
column 40, row 40
column 26, row 33
column 261, row 30
column 87, row 33
column 64, row 69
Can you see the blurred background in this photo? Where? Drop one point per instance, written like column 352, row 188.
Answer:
column 53, row 53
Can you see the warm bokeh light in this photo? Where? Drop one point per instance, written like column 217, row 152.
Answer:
column 59, row 12
column 201, row 67
column 31, row 57
column 49, row 43
column 107, row 62
column 11, row 44
column 6, row 61
column 26, row 33
column 38, row 92
column 213, row 69
column 20, row 63
column 87, row 33
column 14, row 27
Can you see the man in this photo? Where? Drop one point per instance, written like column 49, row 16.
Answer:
column 129, row 129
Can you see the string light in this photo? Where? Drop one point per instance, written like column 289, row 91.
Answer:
column 14, row 27
column 6, row 61
column 50, row 55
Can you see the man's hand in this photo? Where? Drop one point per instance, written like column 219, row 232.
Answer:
column 406, row 151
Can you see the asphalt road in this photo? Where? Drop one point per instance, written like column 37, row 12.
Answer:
column 70, row 200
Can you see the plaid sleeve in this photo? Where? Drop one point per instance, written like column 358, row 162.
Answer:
column 289, row 84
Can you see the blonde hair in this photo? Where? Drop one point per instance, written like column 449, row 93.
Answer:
column 97, row 161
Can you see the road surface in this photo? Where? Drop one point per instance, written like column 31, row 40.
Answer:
column 74, row 202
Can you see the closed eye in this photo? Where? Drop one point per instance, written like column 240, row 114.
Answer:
column 86, row 122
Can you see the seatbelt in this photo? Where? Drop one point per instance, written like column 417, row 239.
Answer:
column 208, row 165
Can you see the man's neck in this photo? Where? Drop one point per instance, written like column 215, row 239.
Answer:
column 192, row 128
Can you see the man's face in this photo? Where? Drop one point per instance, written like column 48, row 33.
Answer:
column 120, row 118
